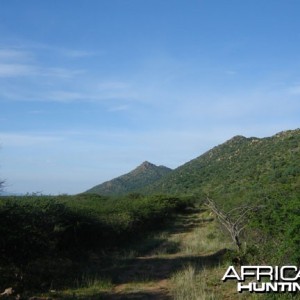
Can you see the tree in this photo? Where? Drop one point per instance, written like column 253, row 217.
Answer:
column 234, row 221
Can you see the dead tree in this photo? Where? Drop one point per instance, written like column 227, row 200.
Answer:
column 234, row 221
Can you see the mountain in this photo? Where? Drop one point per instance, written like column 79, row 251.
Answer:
column 145, row 174
column 239, row 169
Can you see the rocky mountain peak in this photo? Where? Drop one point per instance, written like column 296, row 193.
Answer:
column 146, row 165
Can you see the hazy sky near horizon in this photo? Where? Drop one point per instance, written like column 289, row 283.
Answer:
column 91, row 89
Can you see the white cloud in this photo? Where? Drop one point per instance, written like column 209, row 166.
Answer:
column 77, row 53
column 115, row 90
column 16, row 70
column 36, row 112
column 63, row 96
column 119, row 108
column 231, row 72
column 13, row 54
column 113, row 85
column 294, row 90
column 18, row 61
column 24, row 140
column 61, row 73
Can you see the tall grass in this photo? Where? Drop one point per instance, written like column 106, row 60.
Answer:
column 206, row 238
column 195, row 282
column 191, row 285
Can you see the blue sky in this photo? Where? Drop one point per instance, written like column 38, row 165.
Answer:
column 91, row 89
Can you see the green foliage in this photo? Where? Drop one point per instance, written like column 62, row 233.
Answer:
column 263, row 172
column 39, row 234
column 131, row 182
column 238, row 170
column 277, row 226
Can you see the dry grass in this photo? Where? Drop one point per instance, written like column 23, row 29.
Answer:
column 191, row 285
column 181, row 263
column 205, row 284
column 204, row 238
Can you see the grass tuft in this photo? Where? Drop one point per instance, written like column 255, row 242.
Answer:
column 190, row 284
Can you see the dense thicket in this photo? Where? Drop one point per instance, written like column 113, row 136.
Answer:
column 273, row 234
column 43, row 237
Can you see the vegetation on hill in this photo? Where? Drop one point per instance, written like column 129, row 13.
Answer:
column 254, row 171
column 249, row 171
column 131, row 182
column 239, row 170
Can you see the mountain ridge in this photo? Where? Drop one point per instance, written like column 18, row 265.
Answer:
column 144, row 174
column 236, row 168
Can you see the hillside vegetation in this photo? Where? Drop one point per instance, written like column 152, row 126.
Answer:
column 250, row 171
column 131, row 182
column 261, row 172
column 239, row 170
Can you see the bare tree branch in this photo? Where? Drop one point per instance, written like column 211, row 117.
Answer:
column 234, row 221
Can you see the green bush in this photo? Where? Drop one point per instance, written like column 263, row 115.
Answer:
column 63, row 230
column 277, row 226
